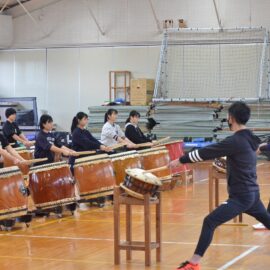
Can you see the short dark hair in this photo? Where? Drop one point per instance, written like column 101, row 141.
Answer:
column 109, row 112
column 9, row 112
column 133, row 113
column 240, row 111
column 45, row 118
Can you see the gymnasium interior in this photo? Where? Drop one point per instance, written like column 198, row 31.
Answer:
column 180, row 65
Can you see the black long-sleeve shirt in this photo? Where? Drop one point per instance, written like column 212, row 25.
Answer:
column 240, row 150
column 135, row 135
column 83, row 140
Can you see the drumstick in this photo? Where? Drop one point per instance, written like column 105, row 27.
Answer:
column 144, row 144
column 156, row 169
column 118, row 145
column 30, row 161
column 81, row 153
column 161, row 140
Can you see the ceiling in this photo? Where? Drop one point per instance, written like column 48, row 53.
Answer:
column 13, row 8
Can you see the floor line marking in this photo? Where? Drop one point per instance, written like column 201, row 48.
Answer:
column 111, row 240
column 236, row 259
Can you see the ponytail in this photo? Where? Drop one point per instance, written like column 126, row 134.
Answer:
column 105, row 117
column 75, row 121
column 128, row 120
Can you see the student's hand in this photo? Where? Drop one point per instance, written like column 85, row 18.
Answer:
column 29, row 144
column 18, row 161
column 69, row 153
column 131, row 145
column 173, row 164
column 106, row 148
column 154, row 142
column 73, row 153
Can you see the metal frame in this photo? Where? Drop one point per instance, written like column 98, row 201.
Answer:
column 163, row 52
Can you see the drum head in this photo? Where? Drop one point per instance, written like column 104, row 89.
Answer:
column 144, row 177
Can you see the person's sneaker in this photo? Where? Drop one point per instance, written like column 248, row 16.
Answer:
column 188, row 266
column 259, row 226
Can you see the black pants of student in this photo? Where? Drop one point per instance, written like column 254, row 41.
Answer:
column 249, row 203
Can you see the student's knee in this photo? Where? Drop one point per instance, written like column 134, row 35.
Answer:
column 210, row 222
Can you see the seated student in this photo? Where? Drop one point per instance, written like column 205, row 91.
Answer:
column 46, row 145
column 111, row 133
column 12, row 132
column 8, row 152
column 132, row 131
column 82, row 139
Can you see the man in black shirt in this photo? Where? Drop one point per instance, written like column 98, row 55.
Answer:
column 244, row 196
column 12, row 132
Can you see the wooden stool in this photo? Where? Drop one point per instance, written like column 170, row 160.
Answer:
column 214, row 177
column 187, row 176
column 122, row 198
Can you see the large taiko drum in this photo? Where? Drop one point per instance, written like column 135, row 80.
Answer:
column 137, row 183
column 154, row 158
column 175, row 149
column 123, row 161
column 220, row 164
column 51, row 185
column 13, row 194
column 23, row 152
column 94, row 176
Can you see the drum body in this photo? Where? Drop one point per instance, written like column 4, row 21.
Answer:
column 13, row 198
column 175, row 149
column 138, row 183
column 123, row 161
column 220, row 164
column 51, row 185
column 94, row 176
column 23, row 152
column 155, row 158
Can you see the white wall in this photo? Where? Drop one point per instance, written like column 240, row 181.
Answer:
column 68, row 80
column 68, row 22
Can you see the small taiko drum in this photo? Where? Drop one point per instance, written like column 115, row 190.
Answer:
column 23, row 152
column 220, row 164
column 13, row 194
column 175, row 149
column 94, row 176
column 123, row 161
column 51, row 185
column 155, row 158
column 138, row 183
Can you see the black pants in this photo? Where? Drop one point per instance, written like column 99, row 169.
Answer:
column 249, row 203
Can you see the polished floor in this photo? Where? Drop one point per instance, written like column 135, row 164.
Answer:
column 85, row 240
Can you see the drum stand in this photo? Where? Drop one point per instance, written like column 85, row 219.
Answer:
column 121, row 198
column 214, row 177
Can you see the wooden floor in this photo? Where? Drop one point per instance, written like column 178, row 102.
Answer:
column 85, row 241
